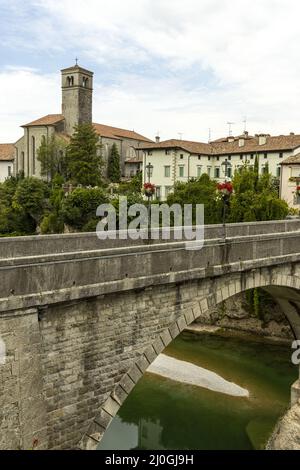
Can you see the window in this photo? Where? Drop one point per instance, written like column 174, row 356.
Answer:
column 33, row 154
column 181, row 156
column 168, row 152
column 218, row 158
column 208, row 158
column 199, row 157
column 85, row 82
column 229, row 172
column 241, row 157
column 217, row 172
column 23, row 161
column 251, row 156
column 264, row 169
column 167, row 171
column 229, row 157
column 280, row 155
column 181, row 171
column 9, row 170
column 209, row 170
column 70, row 81
column 278, row 171
column 149, row 152
column 199, row 171
column 265, row 155
column 157, row 192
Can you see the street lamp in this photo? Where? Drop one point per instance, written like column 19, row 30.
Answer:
column 226, row 191
column 149, row 191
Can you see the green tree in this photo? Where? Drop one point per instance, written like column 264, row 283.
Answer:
column 31, row 198
column 255, row 197
column 83, row 160
column 199, row 191
column 113, row 168
column 52, row 156
column 79, row 208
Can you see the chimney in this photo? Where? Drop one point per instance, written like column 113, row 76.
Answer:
column 246, row 134
column 241, row 142
column 292, row 133
column 157, row 139
column 230, row 138
column 262, row 139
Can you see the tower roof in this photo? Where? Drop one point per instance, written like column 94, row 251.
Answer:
column 77, row 68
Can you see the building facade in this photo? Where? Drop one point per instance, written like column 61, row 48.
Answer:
column 179, row 160
column 77, row 108
column 290, row 181
column 6, row 161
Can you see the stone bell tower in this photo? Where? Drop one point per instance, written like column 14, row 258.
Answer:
column 77, row 96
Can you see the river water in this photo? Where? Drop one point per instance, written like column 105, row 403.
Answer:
column 207, row 391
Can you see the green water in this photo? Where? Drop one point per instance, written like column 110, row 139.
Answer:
column 164, row 414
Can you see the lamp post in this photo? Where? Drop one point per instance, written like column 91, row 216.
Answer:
column 149, row 189
column 226, row 190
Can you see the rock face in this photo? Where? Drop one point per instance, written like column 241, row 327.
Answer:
column 234, row 313
column 287, row 432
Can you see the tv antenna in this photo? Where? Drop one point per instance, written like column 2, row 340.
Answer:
column 245, row 124
column 230, row 124
column 209, row 135
column 180, row 135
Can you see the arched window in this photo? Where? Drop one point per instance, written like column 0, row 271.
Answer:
column 33, row 154
column 70, row 81
column 85, row 82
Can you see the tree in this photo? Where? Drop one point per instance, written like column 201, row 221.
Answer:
column 79, row 208
column 199, row 191
column 52, row 156
column 113, row 169
column 31, row 198
column 255, row 198
column 83, row 160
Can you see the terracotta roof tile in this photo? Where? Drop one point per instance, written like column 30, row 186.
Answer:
column 293, row 159
column 116, row 133
column 7, row 152
column 189, row 146
column 223, row 147
column 48, row 120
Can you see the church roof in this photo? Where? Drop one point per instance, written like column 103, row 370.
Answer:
column 7, row 152
column 117, row 133
column 49, row 120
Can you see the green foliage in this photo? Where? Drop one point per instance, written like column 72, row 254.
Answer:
column 52, row 156
column 255, row 197
column 199, row 191
column 82, row 158
column 31, row 198
column 113, row 168
column 132, row 186
column 79, row 207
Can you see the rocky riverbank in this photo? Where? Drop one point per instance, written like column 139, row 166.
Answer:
column 235, row 314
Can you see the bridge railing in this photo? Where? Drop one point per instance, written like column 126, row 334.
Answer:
column 14, row 247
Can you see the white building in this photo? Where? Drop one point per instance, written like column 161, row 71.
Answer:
column 7, row 152
column 180, row 160
column 290, row 180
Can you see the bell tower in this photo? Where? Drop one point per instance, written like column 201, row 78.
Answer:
column 77, row 96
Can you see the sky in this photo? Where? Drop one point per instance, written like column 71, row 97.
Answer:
column 175, row 67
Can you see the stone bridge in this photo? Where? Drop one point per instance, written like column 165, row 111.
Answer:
column 82, row 319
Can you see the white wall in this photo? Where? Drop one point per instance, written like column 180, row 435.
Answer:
column 4, row 166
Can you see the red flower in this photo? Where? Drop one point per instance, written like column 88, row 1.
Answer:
column 298, row 188
column 149, row 188
column 225, row 188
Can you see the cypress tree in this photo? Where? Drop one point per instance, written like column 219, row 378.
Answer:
column 113, row 169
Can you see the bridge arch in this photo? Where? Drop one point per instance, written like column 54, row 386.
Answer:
column 285, row 288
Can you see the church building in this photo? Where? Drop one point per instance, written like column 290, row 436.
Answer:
column 77, row 106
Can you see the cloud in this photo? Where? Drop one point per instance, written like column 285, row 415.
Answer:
column 167, row 64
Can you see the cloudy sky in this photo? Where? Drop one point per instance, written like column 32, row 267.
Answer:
column 171, row 66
